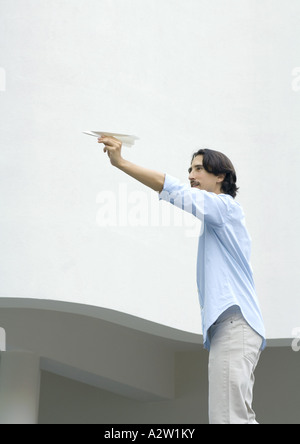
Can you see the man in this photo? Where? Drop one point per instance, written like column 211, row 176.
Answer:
column 233, row 328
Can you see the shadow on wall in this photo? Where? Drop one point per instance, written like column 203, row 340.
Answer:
column 276, row 397
column 277, row 388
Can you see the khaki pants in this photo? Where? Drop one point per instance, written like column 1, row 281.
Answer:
column 234, row 355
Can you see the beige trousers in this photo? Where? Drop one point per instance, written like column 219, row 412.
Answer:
column 234, row 355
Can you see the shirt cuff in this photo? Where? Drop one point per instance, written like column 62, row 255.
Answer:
column 169, row 184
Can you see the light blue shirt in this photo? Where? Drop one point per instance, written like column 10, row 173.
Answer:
column 224, row 273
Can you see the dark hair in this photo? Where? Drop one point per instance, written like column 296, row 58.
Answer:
column 217, row 163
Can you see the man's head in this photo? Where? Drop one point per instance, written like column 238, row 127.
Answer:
column 212, row 171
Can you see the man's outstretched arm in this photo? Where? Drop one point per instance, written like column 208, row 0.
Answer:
column 150, row 178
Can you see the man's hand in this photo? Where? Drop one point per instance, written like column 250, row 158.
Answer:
column 112, row 147
column 151, row 179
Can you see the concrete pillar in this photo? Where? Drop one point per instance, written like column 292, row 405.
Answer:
column 19, row 387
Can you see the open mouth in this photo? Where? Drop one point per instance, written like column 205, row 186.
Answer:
column 195, row 184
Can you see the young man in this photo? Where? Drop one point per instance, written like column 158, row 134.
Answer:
column 233, row 328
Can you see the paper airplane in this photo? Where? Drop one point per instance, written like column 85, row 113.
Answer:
column 125, row 138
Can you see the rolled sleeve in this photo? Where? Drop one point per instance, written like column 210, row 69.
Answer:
column 182, row 196
column 168, row 186
column 206, row 206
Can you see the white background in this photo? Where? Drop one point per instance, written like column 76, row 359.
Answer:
column 181, row 75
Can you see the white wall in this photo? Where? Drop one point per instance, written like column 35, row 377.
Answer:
column 180, row 75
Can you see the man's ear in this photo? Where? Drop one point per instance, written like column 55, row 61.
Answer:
column 221, row 178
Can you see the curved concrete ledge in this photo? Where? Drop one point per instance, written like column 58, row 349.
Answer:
column 116, row 317
column 104, row 348
column 120, row 318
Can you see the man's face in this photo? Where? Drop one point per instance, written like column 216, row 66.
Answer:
column 202, row 179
